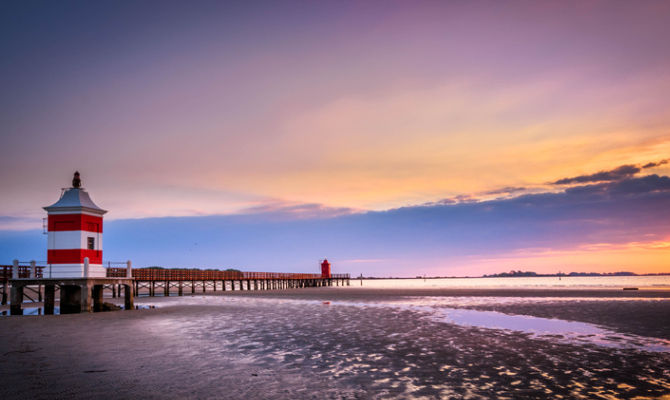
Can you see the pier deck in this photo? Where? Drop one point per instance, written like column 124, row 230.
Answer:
column 162, row 281
column 86, row 294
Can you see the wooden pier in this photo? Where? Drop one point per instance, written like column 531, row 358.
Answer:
column 76, row 294
column 86, row 294
column 163, row 282
column 22, row 272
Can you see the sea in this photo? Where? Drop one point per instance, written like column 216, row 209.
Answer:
column 658, row 282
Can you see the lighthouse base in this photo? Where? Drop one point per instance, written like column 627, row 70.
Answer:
column 76, row 295
column 74, row 271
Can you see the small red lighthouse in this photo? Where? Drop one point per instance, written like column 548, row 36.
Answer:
column 75, row 234
column 325, row 269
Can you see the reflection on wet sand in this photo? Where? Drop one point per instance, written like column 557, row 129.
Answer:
column 413, row 351
column 250, row 346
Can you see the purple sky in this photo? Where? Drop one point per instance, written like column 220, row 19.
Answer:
column 335, row 120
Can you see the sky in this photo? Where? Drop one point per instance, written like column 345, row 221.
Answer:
column 394, row 138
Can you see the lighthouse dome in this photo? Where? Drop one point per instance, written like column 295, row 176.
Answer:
column 75, row 199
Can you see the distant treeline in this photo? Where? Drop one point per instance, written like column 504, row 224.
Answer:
column 199, row 269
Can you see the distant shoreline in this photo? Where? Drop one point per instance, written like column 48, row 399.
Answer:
column 568, row 275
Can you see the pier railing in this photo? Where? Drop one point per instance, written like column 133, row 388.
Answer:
column 156, row 274
column 159, row 278
column 24, row 271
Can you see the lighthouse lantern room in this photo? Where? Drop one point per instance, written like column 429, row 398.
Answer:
column 74, row 235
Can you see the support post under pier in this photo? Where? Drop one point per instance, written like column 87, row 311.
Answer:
column 16, row 299
column 49, row 299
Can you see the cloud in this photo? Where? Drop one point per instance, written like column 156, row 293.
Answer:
column 631, row 186
column 630, row 210
column 282, row 210
column 616, row 174
column 646, row 184
column 505, row 190
column 443, row 202
column 460, row 199
column 655, row 164
column 408, row 239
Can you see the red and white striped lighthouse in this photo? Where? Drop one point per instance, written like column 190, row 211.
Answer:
column 75, row 233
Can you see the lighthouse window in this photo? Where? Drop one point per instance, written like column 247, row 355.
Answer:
column 91, row 243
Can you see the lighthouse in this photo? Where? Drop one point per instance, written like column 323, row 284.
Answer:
column 74, row 248
column 325, row 269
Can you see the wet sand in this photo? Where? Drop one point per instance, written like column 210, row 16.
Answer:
column 627, row 314
column 292, row 345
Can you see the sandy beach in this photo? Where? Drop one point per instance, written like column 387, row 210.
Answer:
column 346, row 343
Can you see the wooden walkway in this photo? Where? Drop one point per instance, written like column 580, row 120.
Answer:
column 166, row 282
column 25, row 272
column 154, row 281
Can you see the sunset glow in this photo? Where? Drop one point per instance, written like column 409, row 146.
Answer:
column 388, row 130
